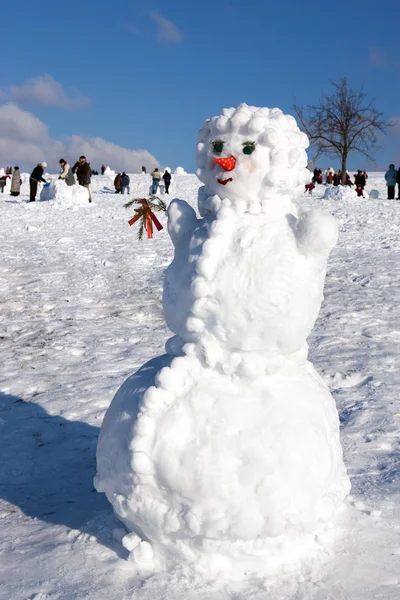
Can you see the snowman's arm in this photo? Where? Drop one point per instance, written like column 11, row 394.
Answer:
column 181, row 220
column 316, row 233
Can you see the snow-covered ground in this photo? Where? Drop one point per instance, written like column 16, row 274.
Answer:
column 81, row 310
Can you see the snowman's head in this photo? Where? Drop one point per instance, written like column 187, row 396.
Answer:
column 251, row 153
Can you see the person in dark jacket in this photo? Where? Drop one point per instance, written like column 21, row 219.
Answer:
column 336, row 179
column 103, row 168
column 359, row 180
column 16, row 182
column 125, row 183
column 167, row 180
column 118, row 183
column 83, row 173
column 66, row 173
column 36, row 176
column 398, row 181
column 391, row 179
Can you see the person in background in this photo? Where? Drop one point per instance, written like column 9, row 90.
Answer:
column 167, row 180
column 8, row 170
column 349, row 182
column 365, row 175
column 391, row 178
column 360, row 181
column 3, row 181
column 143, row 170
column 398, row 181
column 309, row 188
column 66, row 173
column 336, row 178
column 36, row 176
column 103, row 168
column 118, row 183
column 16, row 182
column 125, row 183
column 329, row 177
column 156, row 175
column 83, row 173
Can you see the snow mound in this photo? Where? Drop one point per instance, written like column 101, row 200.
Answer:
column 109, row 172
column 68, row 196
column 211, row 469
column 179, row 171
column 374, row 194
column 339, row 193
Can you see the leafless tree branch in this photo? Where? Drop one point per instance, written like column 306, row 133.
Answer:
column 343, row 122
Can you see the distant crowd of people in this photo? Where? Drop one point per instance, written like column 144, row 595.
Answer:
column 392, row 177
column 83, row 173
column 16, row 181
column 122, row 181
column 81, row 169
column 335, row 178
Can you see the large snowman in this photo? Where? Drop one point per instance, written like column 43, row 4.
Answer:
column 224, row 453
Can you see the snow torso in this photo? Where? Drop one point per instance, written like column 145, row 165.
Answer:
column 243, row 280
column 242, row 286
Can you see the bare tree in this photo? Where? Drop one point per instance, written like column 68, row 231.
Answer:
column 341, row 123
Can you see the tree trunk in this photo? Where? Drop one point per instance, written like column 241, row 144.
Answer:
column 344, row 169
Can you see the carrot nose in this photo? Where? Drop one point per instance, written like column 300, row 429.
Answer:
column 228, row 164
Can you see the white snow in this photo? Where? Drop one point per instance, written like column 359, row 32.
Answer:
column 81, row 311
column 65, row 196
column 339, row 193
column 109, row 172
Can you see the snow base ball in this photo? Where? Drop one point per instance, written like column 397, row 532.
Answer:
column 224, row 453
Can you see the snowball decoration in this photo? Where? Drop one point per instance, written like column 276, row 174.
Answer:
column 224, row 453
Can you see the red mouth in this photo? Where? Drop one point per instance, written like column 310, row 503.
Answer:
column 224, row 181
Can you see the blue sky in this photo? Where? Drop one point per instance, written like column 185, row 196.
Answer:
column 144, row 75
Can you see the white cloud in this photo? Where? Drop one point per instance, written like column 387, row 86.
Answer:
column 18, row 124
column 167, row 30
column 25, row 140
column 44, row 90
column 99, row 151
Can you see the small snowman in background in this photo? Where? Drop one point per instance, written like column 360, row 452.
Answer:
column 224, row 453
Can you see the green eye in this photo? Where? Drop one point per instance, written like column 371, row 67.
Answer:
column 218, row 146
column 249, row 147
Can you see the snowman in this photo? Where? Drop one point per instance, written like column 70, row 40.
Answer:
column 224, row 453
